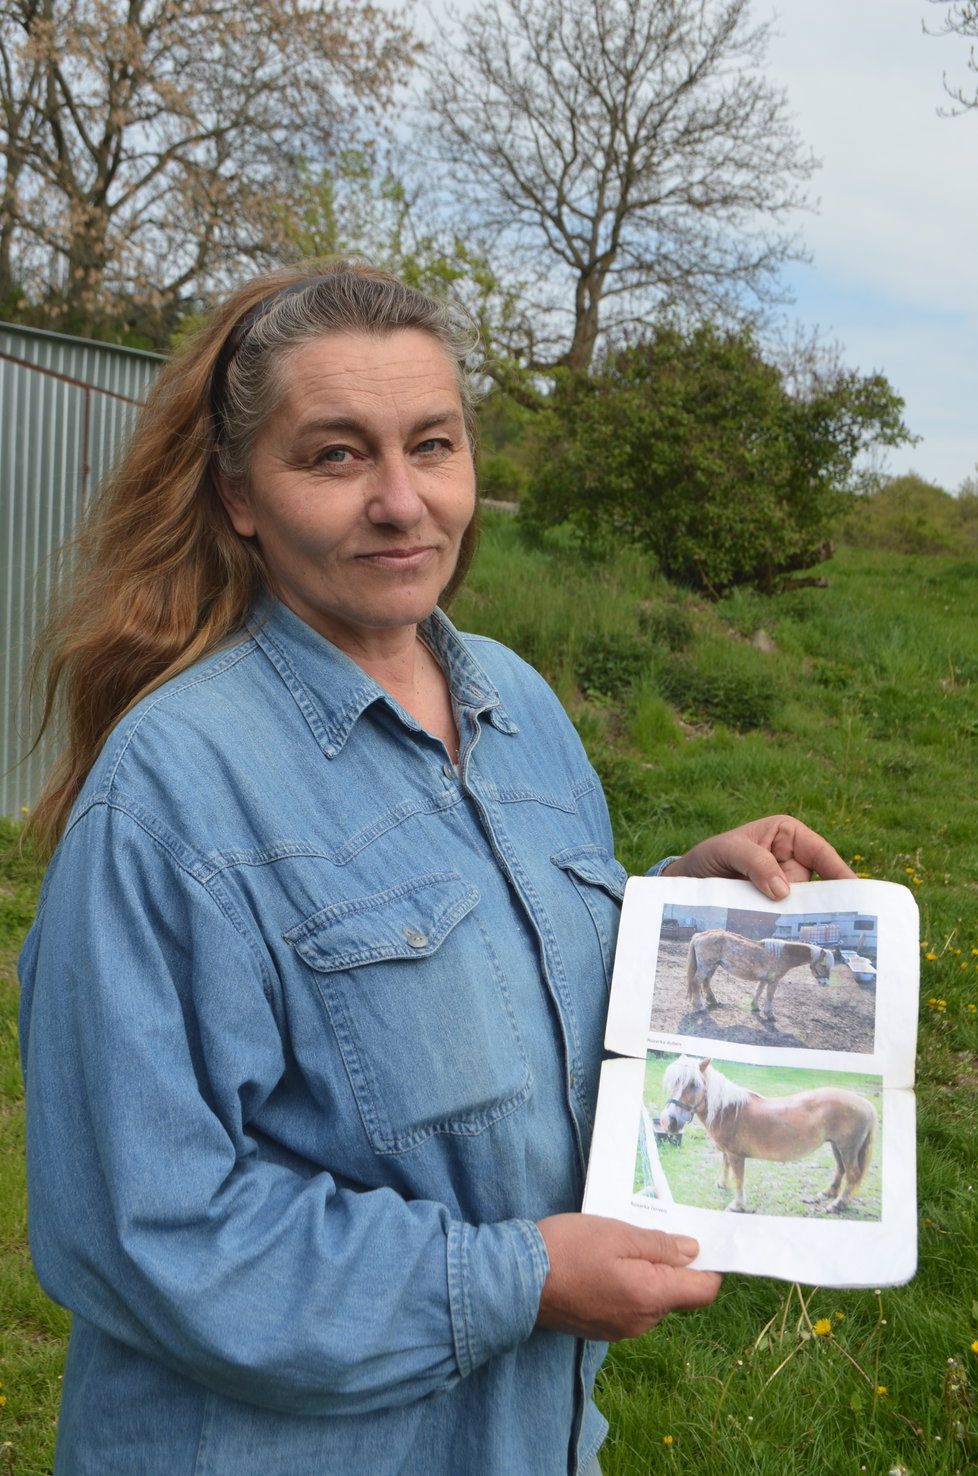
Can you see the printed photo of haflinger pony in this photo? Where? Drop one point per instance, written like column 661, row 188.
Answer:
column 766, row 1140
column 767, row 978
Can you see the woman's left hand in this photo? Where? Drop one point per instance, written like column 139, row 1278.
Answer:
column 771, row 853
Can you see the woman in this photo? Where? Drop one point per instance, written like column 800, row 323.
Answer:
column 314, row 1000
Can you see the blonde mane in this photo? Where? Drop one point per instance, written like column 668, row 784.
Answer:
column 722, row 1094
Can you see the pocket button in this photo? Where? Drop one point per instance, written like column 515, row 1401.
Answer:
column 416, row 939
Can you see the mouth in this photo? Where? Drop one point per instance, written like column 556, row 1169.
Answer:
column 402, row 560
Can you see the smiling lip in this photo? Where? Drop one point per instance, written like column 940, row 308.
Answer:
column 398, row 558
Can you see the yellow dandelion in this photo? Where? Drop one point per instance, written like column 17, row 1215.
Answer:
column 882, row 1391
column 908, row 870
column 915, row 880
column 667, row 1439
column 975, row 952
column 974, row 1346
column 24, row 810
column 822, row 1327
column 857, row 857
column 972, row 1007
column 863, row 874
column 964, row 964
column 840, row 1316
column 930, row 957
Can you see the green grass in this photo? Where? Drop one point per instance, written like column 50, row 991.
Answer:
column 864, row 721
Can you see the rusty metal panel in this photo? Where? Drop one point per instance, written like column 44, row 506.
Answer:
column 65, row 411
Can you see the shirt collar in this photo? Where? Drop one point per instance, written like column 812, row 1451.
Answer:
column 332, row 692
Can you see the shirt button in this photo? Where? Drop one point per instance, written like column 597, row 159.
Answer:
column 448, row 771
column 416, row 939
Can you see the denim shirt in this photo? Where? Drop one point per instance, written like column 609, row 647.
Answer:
column 311, row 1026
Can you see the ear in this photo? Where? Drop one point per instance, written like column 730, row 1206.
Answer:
column 705, row 1064
column 236, row 505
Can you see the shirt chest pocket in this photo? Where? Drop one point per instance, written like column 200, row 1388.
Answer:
column 420, row 1009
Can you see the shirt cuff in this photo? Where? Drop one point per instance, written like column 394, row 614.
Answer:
column 660, row 866
column 495, row 1277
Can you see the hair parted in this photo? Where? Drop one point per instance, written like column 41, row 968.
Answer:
column 156, row 576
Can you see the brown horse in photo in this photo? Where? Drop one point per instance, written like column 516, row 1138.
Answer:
column 743, row 1125
column 763, row 963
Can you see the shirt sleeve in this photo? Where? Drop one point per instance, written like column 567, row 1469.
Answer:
column 159, row 1213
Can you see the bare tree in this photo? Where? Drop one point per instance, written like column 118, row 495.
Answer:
column 960, row 19
column 617, row 155
column 153, row 144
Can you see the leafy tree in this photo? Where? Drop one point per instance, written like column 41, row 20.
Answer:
column 616, row 155
column 150, row 147
column 357, row 206
column 693, row 445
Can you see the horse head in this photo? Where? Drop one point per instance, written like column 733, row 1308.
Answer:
column 822, row 964
column 685, row 1081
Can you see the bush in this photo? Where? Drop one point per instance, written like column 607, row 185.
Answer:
column 910, row 516
column 726, row 682
column 694, row 446
column 501, row 477
column 608, row 665
column 667, row 625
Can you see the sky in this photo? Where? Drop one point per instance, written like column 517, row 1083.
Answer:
column 894, row 243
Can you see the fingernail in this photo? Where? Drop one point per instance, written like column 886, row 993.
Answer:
column 779, row 888
column 687, row 1247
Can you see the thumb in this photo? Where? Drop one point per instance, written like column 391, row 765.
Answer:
column 663, row 1249
column 761, row 868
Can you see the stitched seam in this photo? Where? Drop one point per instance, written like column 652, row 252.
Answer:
column 170, row 846
column 168, row 691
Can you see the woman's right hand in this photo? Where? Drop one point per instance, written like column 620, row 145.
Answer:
column 609, row 1280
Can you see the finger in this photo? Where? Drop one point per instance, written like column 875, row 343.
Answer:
column 760, row 866
column 662, row 1249
column 813, row 852
column 683, row 1290
column 694, row 1289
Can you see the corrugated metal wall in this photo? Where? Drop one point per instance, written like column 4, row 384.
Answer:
column 50, row 432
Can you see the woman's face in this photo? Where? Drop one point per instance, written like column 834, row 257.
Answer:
column 361, row 484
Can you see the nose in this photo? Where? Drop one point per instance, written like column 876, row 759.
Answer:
column 394, row 497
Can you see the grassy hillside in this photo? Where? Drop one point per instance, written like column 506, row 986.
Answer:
column 861, row 716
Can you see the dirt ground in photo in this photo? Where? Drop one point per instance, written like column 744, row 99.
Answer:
column 836, row 1016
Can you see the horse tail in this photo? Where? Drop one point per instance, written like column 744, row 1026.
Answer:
column 864, row 1152
column 691, row 969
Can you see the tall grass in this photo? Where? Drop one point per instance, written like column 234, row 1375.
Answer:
column 863, row 720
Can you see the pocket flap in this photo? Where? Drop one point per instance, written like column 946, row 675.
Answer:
column 592, row 864
column 408, row 921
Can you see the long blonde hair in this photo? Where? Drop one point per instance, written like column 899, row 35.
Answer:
column 156, row 577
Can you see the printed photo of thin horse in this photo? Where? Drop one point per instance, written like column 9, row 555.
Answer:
column 767, row 978
column 765, row 1140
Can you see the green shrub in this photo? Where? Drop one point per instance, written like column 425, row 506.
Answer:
column 501, row 477
column 667, row 625
column 724, row 682
column 609, row 664
column 695, row 447
column 904, row 515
